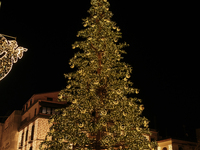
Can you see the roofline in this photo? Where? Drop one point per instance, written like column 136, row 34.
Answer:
column 44, row 93
column 165, row 140
column 175, row 140
column 40, row 94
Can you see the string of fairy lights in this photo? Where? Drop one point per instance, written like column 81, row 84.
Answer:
column 9, row 54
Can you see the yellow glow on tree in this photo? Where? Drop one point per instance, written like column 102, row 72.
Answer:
column 101, row 115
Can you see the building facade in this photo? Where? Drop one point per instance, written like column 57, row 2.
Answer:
column 9, row 134
column 1, row 130
column 25, row 129
column 174, row 144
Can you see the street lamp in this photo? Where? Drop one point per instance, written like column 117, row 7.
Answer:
column 9, row 54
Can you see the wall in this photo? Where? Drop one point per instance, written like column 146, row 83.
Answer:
column 1, row 133
column 30, row 113
column 10, row 131
column 185, row 145
column 165, row 143
column 41, row 128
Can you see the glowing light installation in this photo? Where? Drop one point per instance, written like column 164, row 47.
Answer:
column 9, row 54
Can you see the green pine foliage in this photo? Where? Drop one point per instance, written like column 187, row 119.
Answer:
column 101, row 114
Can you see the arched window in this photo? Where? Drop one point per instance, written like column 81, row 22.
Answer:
column 165, row 148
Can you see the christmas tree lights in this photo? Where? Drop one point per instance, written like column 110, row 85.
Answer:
column 9, row 54
column 101, row 115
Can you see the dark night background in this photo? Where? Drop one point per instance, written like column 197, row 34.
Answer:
column 163, row 53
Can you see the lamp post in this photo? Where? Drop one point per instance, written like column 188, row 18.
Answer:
column 9, row 54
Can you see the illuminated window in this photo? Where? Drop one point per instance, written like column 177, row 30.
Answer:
column 53, row 111
column 44, row 110
column 48, row 110
column 165, row 148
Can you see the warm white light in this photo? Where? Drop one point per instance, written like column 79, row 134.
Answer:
column 170, row 147
column 9, row 54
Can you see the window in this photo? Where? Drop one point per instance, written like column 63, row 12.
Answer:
column 32, row 132
column 26, row 106
column 44, row 110
column 48, row 110
column 164, row 148
column 22, row 139
column 26, row 135
column 53, row 111
column 31, row 148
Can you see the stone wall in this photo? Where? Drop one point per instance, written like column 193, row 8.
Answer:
column 10, row 131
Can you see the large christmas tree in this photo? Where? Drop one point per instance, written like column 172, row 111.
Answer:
column 101, row 114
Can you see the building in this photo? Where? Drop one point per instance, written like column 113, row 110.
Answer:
column 9, row 137
column 1, row 130
column 174, row 144
column 25, row 129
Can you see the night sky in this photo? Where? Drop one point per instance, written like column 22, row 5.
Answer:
column 163, row 52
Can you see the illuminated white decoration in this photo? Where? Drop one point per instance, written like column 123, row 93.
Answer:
column 170, row 147
column 9, row 54
column 159, row 148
